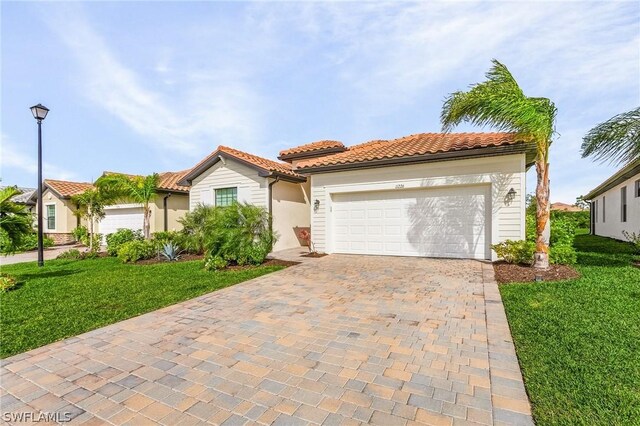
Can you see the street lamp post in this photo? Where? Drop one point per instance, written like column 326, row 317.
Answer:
column 39, row 113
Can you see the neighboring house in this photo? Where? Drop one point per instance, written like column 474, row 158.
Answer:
column 615, row 203
column 58, row 210
column 564, row 207
column 229, row 175
column 430, row 194
column 24, row 198
column 171, row 204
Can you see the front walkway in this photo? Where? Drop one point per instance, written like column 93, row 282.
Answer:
column 341, row 340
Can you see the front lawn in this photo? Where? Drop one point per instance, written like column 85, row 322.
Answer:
column 578, row 341
column 66, row 298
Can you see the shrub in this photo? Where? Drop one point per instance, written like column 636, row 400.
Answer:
column 135, row 250
column 563, row 231
column 633, row 238
column 195, row 225
column 118, row 238
column 214, row 263
column 239, row 234
column 28, row 242
column 7, row 282
column 563, row 254
column 81, row 234
column 520, row 251
column 72, row 254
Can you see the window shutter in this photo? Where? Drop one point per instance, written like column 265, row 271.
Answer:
column 206, row 197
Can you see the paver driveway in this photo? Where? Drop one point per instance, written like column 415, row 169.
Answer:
column 340, row 340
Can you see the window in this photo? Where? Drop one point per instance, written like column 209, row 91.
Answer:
column 637, row 189
column 51, row 216
column 604, row 209
column 226, row 196
column 623, row 204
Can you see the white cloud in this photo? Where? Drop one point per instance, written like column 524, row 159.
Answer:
column 12, row 157
column 203, row 113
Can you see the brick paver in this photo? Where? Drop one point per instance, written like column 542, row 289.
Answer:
column 336, row 340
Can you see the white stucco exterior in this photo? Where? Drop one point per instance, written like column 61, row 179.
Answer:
column 607, row 214
column 504, row 216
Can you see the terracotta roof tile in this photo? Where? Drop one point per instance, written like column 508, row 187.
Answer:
column 311, row 147
column 418, row 144
column 260, row 162
column 168, row 180
column 67, row 189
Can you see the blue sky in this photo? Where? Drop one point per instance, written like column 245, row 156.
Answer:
column 140, row 87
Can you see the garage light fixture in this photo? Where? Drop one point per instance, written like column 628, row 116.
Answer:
column 511, row 195
column 316, row 205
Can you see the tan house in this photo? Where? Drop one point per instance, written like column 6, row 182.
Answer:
column 430, row 194
column 59, row 219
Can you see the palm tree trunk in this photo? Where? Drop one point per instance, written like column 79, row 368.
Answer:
column 542, row 214
column 146, row 224
column 90, row 232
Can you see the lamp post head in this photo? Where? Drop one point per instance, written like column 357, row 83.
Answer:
column 39, row 112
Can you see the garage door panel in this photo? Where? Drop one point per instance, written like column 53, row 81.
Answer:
column 121, row 218
column 447, row 222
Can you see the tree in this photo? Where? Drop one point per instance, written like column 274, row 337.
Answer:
column 581, row 202
column 617, row 139
column 135, row 189
column 91, row 204
column 501, row 103
column 15, row 221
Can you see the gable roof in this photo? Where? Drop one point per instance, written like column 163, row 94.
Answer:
column 313, row 148
column 264, row 166
column 67, row 189
column 418, row 146
column 630, row 170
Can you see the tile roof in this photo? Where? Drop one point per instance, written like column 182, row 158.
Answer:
column 564, row 207
column 264, row 164
column 24, row 197
column 413, row 145
column 311, row 147
column 67, row 189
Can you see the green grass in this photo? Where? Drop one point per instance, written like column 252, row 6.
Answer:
column 578, row 341
column 66, row 298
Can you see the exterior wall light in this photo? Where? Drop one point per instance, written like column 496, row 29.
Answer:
column 316, row 205
column 511, row 195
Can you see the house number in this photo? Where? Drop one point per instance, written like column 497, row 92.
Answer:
column 400, row 186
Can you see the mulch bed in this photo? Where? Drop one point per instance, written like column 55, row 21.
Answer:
column 511, row 273
column 314, row 254
column 636, row 263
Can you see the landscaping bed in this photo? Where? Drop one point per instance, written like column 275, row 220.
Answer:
column 513, row 273
column 578, row 341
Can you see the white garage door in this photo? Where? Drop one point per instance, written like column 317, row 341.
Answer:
column 446, row 222
column 117, row 218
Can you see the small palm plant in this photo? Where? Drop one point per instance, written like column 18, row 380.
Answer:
column 501, row 103
column 15, row 221
column 135, row 189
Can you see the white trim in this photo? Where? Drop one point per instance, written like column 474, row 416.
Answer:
column 123, row 206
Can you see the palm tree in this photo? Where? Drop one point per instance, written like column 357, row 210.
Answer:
column 501, row 103
column 136, row 189
column 617, row 139
column 15, row 220
column 91, row 204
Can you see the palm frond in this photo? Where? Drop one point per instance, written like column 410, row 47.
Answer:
column 15, row 220
column 616, row 140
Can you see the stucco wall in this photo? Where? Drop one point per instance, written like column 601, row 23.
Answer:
column 613, row 226
column 177, row 207
column 291, row 212
column 251, row 187
column 501, row 172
